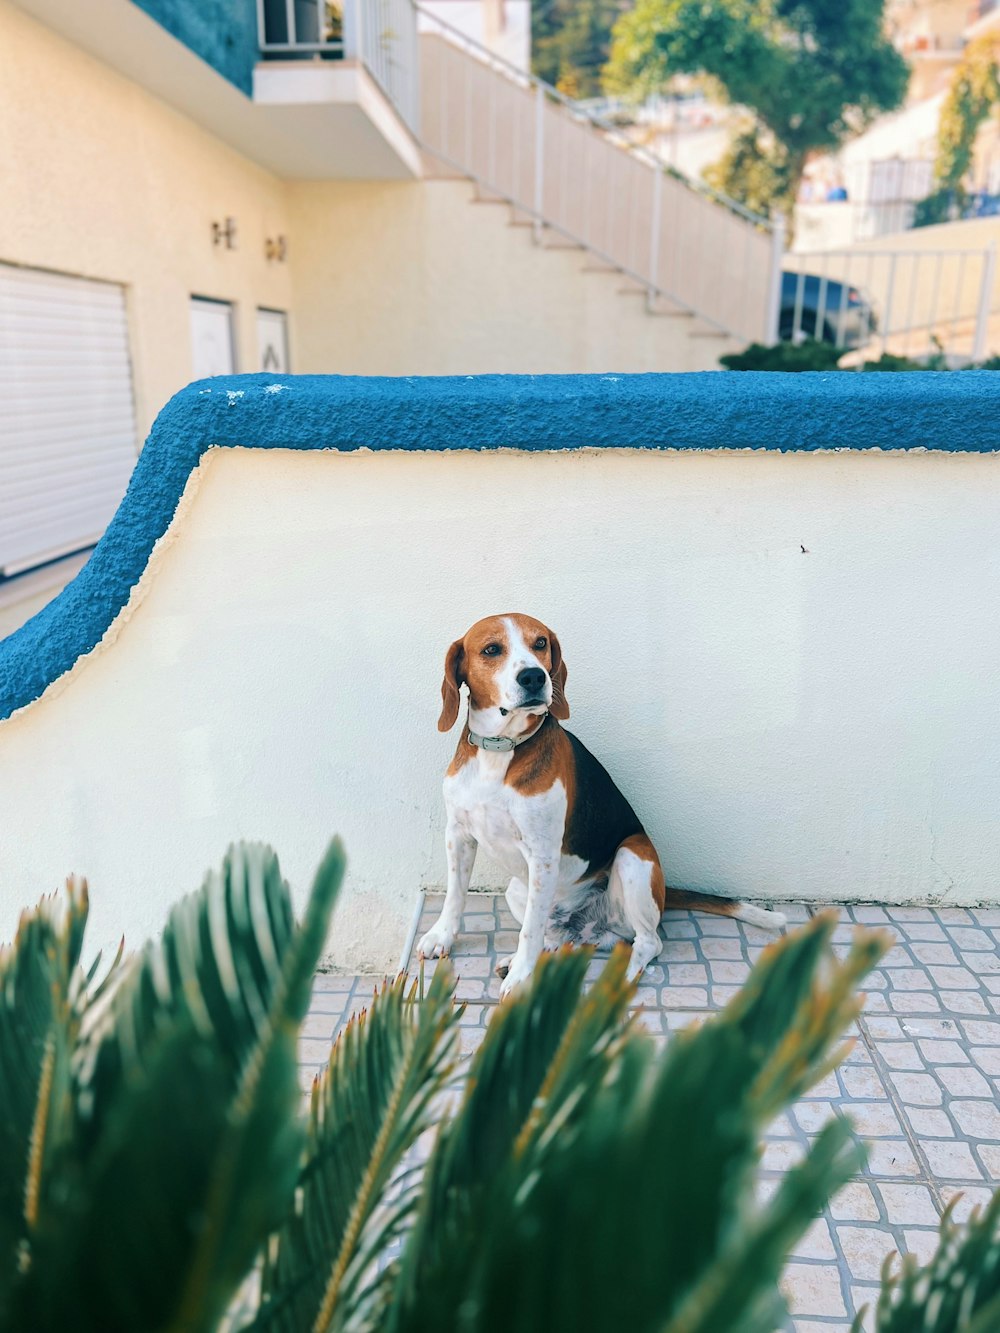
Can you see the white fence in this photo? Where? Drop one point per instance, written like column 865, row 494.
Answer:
column 909, row 302
column 577, row 179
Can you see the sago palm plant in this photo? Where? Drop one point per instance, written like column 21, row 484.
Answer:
column 154, row 1160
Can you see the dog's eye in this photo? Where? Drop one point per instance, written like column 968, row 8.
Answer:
column 492, row 650
column 541, row 643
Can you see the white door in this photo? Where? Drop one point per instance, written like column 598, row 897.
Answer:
column 272, row 341
column 212, row 350
column 67, row 417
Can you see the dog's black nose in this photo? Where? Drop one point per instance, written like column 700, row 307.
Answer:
column 531, row 680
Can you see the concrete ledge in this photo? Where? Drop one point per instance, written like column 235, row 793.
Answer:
column 956, row 412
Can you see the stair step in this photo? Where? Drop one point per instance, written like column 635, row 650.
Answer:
column 518, row 218
column 670, row 314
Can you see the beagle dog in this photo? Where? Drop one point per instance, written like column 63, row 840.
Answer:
column 582, row 868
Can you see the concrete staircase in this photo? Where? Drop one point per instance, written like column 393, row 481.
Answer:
column 689, row 252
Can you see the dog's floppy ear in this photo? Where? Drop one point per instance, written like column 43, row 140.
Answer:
column 454, row 676
column 558, row 707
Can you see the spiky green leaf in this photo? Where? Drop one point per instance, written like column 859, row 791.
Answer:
column 957, row 1291
column 635, row 1183
column 38, row 1024
column 187, row 1137
column 371, row 1103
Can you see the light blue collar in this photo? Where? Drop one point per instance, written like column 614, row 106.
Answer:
column 503, row 743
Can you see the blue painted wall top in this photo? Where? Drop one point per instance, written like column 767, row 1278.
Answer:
column 955, row 412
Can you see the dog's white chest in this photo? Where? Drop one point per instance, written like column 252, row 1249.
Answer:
column 498, row 834
column 509, row 827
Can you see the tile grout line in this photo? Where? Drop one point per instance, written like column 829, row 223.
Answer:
column 846, row 1274
column 927, row 1178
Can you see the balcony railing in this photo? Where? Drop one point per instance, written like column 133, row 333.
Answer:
column 380, row 34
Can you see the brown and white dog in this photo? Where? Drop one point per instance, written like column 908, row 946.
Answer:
column 582, row 868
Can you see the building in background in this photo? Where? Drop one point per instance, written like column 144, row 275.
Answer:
column 194, row 189
column 931, row 34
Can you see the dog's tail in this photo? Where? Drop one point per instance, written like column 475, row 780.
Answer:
column 708, row 902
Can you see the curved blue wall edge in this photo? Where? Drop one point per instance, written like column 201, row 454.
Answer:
column 956, row 412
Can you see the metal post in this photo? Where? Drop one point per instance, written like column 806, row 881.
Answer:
column 773, row 316
column 654, row 237
column 536, row 226
column 351, row 26
column 985, row 296
column 888, row 301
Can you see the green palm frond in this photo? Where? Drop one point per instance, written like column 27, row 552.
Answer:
column 186, row 1139
column 738, row 1292
column 38, row 1027
column 371, row 1103
column 796, row 1001
column 958, row 1291
column 544, row 1056
column 634, row 1183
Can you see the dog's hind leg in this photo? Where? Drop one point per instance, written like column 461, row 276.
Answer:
column 636, row 886
column 517, row 899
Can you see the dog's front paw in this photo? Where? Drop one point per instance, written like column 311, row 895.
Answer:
column 518, row 972
column 436, row 943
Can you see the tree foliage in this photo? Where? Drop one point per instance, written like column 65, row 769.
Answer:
column 811, row 72
column 974, row 92
column 571, row 42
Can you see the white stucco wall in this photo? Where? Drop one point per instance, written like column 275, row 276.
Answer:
column 789, row 724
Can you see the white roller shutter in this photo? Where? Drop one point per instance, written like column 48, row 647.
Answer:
column 67, row 418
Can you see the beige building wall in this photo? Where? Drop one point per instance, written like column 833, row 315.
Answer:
column 102, row 180
column 394, row 278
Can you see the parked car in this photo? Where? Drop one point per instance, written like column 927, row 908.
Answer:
column 823, row 308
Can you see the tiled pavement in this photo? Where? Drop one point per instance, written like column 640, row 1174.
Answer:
column 922, row 1083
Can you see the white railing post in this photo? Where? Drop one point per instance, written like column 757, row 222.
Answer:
column 352, row 29
column 536, row 225
column 985, row 299
column 654, row 238
column 889, row 293
column 773, row 316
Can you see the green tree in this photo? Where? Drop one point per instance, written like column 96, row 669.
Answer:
column 571, row 42
column 974, row 92
column 810, row 73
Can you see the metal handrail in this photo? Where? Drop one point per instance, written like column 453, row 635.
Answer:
column 579, row 112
